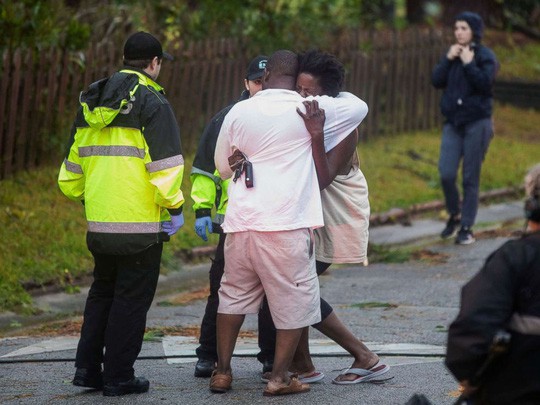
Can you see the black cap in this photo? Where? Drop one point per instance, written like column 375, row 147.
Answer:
column 143, row 46
column 256, row 67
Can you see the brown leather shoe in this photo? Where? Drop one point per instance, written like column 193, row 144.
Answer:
column 220, row 383
column 294, row 387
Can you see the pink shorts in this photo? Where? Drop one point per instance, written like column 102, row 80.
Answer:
column 278, row 264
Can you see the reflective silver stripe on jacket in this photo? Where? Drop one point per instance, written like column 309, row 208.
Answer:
column 73, row 167
column 215, row 179
column 525, row 324
column 124, row 227
column 112, row 150
column 163, row 164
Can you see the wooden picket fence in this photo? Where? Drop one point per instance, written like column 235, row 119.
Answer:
column 39, row 91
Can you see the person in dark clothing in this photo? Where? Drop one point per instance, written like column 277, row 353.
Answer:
column 125, row 164
column 209, row 190
column 504, row 295
column 466, row 73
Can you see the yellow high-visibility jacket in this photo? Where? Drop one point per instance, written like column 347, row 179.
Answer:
column 208, row 189
column 124, row 163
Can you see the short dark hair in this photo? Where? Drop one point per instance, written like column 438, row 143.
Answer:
column 140, row 63
column 325, row 67
column 283, row 63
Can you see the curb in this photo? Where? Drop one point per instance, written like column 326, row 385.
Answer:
column 395, row 215
column 57, row 306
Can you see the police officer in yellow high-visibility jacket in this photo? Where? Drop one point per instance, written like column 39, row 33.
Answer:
column 125, row 165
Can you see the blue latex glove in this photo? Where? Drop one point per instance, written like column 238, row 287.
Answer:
column 172, row 226
column 200, row 227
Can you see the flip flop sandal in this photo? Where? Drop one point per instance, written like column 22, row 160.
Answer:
column 294, row 387
column 313, row 377
column 363, row 375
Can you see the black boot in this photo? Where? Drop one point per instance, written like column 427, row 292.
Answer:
column 268, row 365
column 89, row 378
column 451, row 227
column 204, row 368
column 137, row 385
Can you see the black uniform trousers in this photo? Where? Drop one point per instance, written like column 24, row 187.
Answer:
column 115, row 313
column 326, row 308
column 208, row 340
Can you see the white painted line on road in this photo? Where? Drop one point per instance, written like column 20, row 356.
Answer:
column 185, row 346
column 179, row 346
column 405, row 361
column 407, row 348
column 46, row 346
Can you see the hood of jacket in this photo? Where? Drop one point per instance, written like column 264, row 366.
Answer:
column 105, row 98
column 475, row 22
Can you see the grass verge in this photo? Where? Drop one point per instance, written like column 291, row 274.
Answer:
column 43, row 233
column 518, row 54
column 402, row 170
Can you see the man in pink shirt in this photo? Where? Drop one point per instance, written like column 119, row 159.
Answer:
column 271, row 216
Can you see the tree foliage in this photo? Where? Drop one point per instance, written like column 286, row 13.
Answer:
column 39, row 24
column 507, row 14
column 262, row 24
column 522, row 15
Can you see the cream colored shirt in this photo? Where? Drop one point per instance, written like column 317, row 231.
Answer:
column 344, row 237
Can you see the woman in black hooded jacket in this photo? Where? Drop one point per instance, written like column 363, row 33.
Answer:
column 466, row 73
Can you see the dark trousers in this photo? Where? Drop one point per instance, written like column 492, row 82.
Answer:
column 468, row 144
column 115, row 312
column 326, row 308
column 207, row 340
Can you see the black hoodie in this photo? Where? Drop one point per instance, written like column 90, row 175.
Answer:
column 468, row 89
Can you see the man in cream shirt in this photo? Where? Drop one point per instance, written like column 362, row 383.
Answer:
column 269, row 249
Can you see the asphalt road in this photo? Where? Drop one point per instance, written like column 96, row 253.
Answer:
column 412, row 306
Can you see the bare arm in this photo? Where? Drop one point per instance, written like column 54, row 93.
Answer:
column 339, row 158
column 314, row 119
